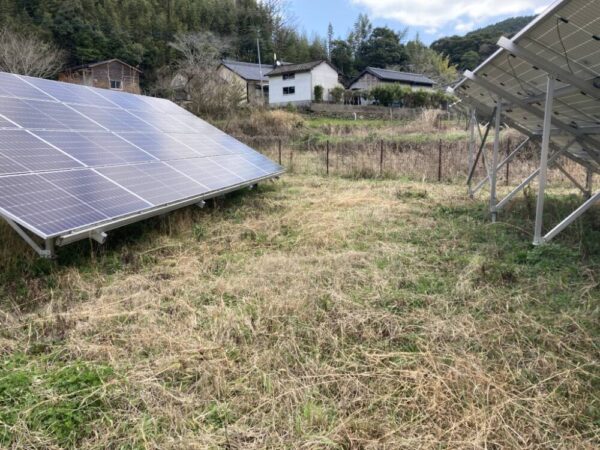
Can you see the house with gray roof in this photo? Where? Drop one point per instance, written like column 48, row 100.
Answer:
column 373, row 76
column 249, row 77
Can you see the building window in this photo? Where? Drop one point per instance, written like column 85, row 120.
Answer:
column 289, row 90
column 116, row 84
column 289, row 76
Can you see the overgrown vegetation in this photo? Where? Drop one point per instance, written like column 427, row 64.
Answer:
column 395, row 94
column 309, row 313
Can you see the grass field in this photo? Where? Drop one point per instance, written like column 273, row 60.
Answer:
column 310, row 313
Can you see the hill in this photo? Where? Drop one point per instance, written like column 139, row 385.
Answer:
column 139, row 31
column 468, row 51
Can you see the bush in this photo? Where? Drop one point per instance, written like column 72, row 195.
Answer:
column 318, row 93
column 395, row 94
column 337, row 94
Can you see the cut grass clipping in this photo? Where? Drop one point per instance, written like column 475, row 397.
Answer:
column 312, row 313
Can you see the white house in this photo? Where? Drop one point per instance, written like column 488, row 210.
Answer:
column 295, row 83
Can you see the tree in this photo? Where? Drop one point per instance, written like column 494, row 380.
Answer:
column 199, row 56
column 29, row 55
column 470, row 60
column 329, row 41
column 342, row 57
column 481, row 41
column 382, row 49
column 361, row 32
column 424, row 60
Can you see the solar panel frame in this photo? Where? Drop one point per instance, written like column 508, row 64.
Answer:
column 88, row 114
column 548, row 80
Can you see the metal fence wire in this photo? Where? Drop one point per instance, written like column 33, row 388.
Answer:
column 434, row 161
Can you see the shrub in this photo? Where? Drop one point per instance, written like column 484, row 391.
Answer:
column 337, row 94
column 395, row 94
column 318, row 93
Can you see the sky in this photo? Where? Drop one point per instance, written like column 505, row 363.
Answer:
column 432, row 19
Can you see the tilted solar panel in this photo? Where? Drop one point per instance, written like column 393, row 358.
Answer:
column 565, row 40
column 77, row 161
column 545, row 82
column 156, row 182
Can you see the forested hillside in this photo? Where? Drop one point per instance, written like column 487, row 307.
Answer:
column 468, row 51
column 142, row 33
column 138, row 31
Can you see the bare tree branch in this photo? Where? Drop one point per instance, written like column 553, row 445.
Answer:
column 29, row 55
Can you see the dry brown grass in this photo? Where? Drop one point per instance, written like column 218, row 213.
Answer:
column 326, row 313
column 265, row 122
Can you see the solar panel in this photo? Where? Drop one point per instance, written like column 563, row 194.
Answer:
column 68, row 93
column 555, row 58
column 76, row 161
column 12, row 86
column 124, row 100
column 212, row 174
column 156, row 182
column 114, row 119
column 31, row 154
column 44, row 208
column 201, row 144
column 95, row 149
column 160, row 145
column 97, row 192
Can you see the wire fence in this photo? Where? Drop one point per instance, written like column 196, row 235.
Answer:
column 434, row 161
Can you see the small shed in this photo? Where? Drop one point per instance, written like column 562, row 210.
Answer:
column 110, row 74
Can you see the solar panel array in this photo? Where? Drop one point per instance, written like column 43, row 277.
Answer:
column 567, row 37
column 74, row 157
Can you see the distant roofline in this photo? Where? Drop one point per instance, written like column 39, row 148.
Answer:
column 265, row 67
column 372, row 71
column 99, row 63
column 299, row 67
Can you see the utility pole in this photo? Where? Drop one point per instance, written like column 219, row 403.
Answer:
column 262, row 90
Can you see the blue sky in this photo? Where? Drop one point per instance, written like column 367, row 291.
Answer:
column 430, row 18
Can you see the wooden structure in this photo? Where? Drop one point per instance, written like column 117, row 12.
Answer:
column 111, row 74
column 251, row 79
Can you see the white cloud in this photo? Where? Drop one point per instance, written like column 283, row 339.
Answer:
column 464, row 27
column 438, row 13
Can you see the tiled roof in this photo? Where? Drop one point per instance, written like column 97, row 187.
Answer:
column 248, row 71
column 394, row 75
column 295, row 68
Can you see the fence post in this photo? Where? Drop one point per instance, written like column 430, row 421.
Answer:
column 508, row 147
column 327, row 158
column 381, row 160
column 279, row 151
column 440, row 161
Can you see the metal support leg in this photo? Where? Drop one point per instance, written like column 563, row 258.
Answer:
column 47, row 252
column 494, row 168
column 574, row 216
column 539, row 213
column 471, row 145
column 506, row 160
column 531, row 177
column 572, row 179
column 589, row 182
column 483, row 138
